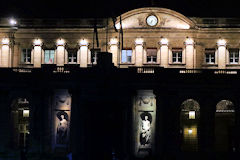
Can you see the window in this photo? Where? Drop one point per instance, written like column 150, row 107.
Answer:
column 210, row 56
column 72, row 56
column 152, row 55
column 126, row 56
column 26, row 56
column 177, row 55
column 49, row 56
column 94, row 55
column 233, row 56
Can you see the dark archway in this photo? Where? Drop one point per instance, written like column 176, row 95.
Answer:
column 20, row 111
column 189, row 122
column 224, row 126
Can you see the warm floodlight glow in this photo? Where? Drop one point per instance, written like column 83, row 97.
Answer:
column 191, row 114
column 37, row 42
column 5, row 41
column 12, row 21
column 182, row 26
column 221, row 42
column 25, row 113
column 113, row 41
column 139, row 41
column 189, row 41
column 190, row 131
column 60, row 42
column 83, row 42
column 164, row 41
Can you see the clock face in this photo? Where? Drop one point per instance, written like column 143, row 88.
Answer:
column 152, row 20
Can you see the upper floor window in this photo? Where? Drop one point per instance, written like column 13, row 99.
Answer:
column 94, row 55
column 126, row 56
column 49, row 56
column 26, row 55
column 177, row 55
column 72, row 56
column 233, row 56
column 152, row 55
column 210, row 56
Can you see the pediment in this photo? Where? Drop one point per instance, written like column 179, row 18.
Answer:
column 166, row 19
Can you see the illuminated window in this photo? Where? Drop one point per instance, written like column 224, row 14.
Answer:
column 126, row 56
column 152, row 55
column 72, row 56
column 177, row 55
column 49, row 56
column 26, row 55
column 191, row 114
column 233, row 56
column 94, row 55
column 210, row 56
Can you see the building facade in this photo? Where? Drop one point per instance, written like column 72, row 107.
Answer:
column 156, row 84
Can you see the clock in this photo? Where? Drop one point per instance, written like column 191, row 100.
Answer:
column 152, row 20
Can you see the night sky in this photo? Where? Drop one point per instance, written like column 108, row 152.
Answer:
column 108, row 8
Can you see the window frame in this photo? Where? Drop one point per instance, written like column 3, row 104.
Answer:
column 126, row 55
column 49, row 49
column 210, row 51
column 72, row 52
column 151, row 57
column 234, row 56
column 95, row 50
column 177, row 51
column 25, row 56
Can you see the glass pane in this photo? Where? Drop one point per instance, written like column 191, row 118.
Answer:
column 46, row 56
column 51, row 57
column 129, row 52
column 124, row 56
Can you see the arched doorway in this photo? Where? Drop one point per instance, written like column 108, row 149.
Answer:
column 20, row 111
column 224, row 126
column 189, row 119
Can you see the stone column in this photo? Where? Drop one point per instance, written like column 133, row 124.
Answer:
column 37, row 53
column 5, row 53
column 83, row 54
column 144, row 123
column 164, row 52
column 60, row 52
column 221, row 58
column 139, row 52
column 190, row 54
column 114, row 50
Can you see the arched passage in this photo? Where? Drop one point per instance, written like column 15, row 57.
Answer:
column 20, row 110
column 224, row 126
column 189, row 119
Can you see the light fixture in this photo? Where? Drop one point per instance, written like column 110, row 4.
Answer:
column 139, row 41
column 164, row 41
column 25, row 113
column 60, row 42
column 189, row 41
column 113, row 41
column 83, row 42
column 191, row 114
column 190, row 131
column 37, row 42
column 221, row 42
column 5, row 41
column 12, row 22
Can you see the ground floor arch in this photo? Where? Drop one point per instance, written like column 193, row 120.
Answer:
column 20, row 123
column 189, row 122
column 224, row 126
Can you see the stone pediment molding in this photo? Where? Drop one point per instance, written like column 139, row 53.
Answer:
column 166, row 19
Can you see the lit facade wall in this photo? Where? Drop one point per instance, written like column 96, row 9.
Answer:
column 138, row 36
